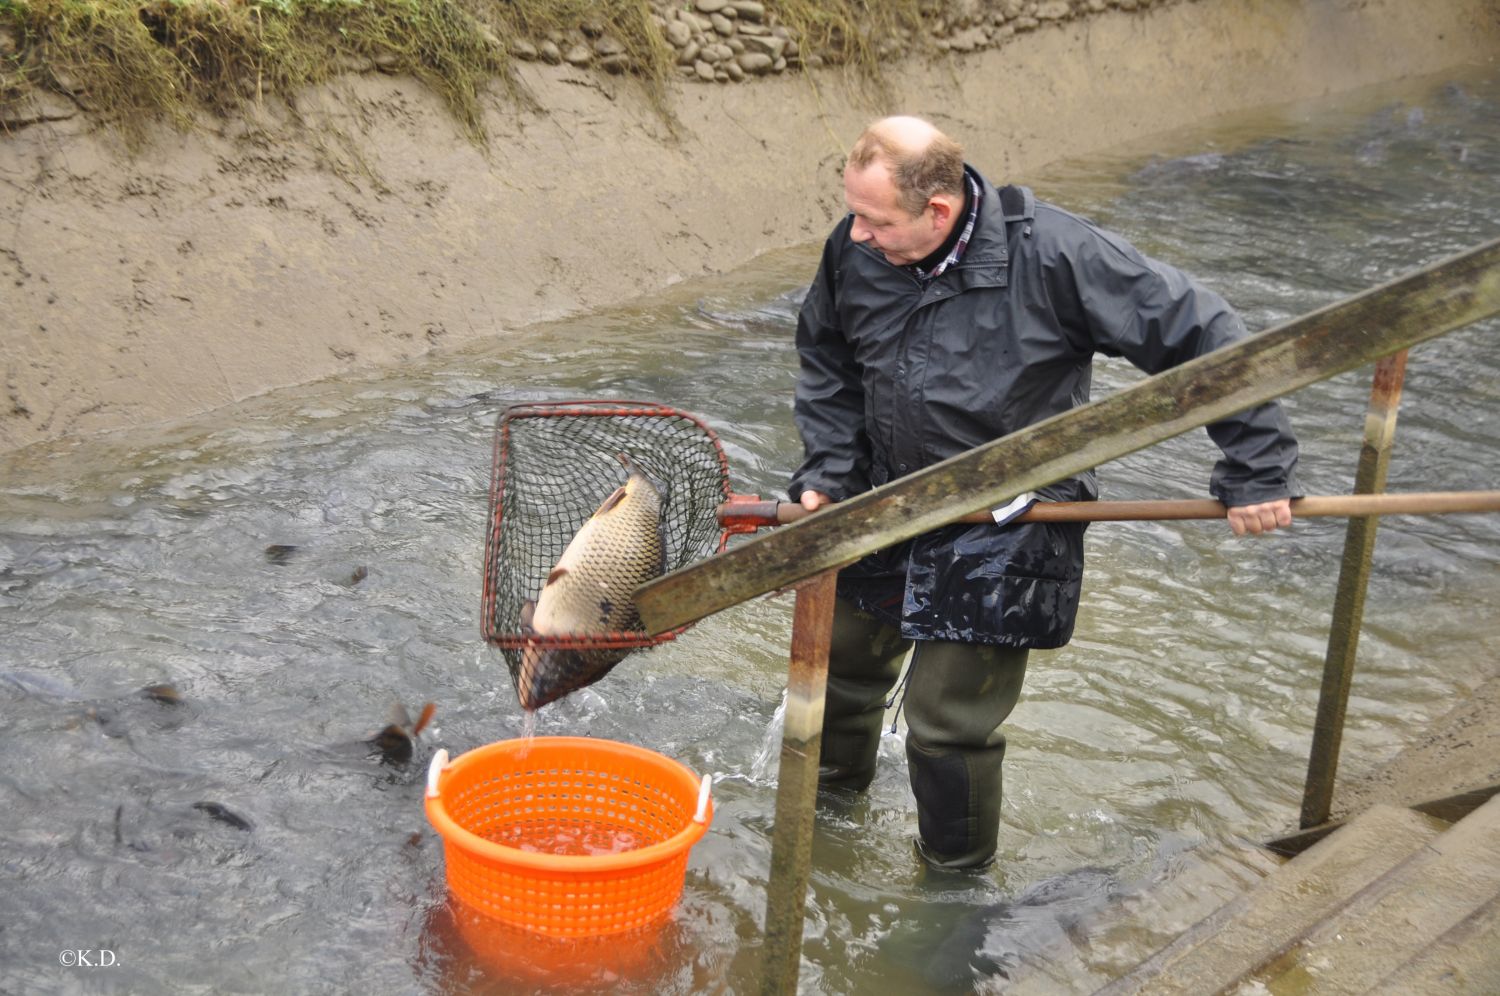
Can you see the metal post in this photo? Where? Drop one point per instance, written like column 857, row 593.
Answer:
column 797, row 783
column 1349, row 601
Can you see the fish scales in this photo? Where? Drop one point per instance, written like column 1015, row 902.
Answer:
column 588, row 593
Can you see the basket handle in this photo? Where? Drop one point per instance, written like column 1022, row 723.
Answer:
column 704, row 790
column 434, row 769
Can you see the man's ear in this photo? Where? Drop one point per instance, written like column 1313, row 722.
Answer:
column 943, row 207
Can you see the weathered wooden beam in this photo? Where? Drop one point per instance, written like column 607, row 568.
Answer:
column 797, row 783
column 1449, row 809
column 1349, row 598
column 1358, row 331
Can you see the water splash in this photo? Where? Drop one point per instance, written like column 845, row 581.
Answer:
column 767, row 763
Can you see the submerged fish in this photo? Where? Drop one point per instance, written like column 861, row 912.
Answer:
column 617, row 550
column 396, row 742
column 957, row 947
column 166, row 694
column 223, row 814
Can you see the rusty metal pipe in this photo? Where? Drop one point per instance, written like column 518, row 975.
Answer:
column 756, row 514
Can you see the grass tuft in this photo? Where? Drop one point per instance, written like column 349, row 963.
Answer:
column 133, row 62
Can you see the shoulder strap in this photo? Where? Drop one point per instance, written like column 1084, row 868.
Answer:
column 1017, row 203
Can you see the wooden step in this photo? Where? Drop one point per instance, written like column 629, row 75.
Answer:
column 1186, row 885
column 1466, row 959
column 1258, row 926
column 1397, row 918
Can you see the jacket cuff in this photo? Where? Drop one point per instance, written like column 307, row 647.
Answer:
column 797, row 487
column 1255, row 492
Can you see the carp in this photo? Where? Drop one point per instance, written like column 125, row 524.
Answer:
column 396, row 742
column 588, row 593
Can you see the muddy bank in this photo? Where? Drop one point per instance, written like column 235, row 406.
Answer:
column 258, row 253
column 1459, row 752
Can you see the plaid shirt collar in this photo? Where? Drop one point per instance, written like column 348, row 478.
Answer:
column 963, row 239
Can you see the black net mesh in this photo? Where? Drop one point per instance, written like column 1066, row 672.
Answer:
column 554, row 464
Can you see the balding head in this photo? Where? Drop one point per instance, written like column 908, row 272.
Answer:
column 921, row 159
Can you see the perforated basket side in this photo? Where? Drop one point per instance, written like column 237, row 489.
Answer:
column 566, row 782
column 573, row 904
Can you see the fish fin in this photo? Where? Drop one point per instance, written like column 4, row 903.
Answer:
column 528, row 612
column 615, row 497
column 428, row 711
column 556, row 575
column 399, row 715
column 663, row 486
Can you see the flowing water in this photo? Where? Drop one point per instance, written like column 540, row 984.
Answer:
column 296, row 566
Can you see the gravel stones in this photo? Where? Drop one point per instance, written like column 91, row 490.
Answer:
column 747, row 10
column 728, row 41
column 755, row 63
column 767, row 45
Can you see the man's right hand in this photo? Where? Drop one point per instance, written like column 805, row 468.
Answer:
column 814, row 500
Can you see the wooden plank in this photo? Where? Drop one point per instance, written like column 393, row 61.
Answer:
column 1256, row 926
column 1461, row 960
column 1406, row 910
column 1450, row 809
column 1360, row 330
column 797, row 783
column 1349, row 597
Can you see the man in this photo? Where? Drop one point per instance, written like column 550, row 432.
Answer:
column 947, row 313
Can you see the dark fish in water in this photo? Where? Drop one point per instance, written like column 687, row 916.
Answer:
column 1003, row 940
column 617, row 550
column 280, row 553
column 223, row 814
column 397, row 741
column 166, row 694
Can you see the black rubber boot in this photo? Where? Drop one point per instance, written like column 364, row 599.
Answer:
column 850, row 744
column 864, row 659
column 957, row 696
column 958, row 804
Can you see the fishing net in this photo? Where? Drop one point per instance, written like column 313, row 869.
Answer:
column 554, row 463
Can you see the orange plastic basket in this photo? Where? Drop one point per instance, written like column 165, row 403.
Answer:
column 623, row 817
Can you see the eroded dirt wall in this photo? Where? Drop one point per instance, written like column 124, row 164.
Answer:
column 240, row 258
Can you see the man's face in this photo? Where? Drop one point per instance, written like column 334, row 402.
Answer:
column 880, row 221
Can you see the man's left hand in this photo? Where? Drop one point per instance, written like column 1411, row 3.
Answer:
column 1261, row 518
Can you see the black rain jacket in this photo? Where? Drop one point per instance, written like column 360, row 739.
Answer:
column 897, row 375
